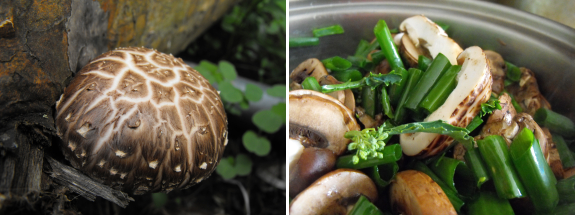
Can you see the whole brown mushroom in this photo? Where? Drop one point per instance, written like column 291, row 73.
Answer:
column 140, row 120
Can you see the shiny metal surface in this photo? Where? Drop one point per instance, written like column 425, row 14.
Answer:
column 544, row 46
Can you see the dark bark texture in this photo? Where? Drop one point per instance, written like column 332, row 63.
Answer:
column 42, row 45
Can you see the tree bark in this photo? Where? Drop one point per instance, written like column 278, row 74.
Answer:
column 43, row 44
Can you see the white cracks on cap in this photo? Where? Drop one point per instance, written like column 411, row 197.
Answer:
column 72, row 145
column 198, row 180
column 123, row 175
column 84, row 129
column 120, row 154
column 204, row 165
column 178, row 168
column 153, row 164
column 113, row 171
column 101, row 163
column 68, row 117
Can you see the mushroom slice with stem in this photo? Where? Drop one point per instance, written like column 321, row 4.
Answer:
column 410, row 52
column 527, row 94
column 319, row 120
column 473, row 88
column 414, row 192
column 425, row 33
column 334, row 193
column 311, row 67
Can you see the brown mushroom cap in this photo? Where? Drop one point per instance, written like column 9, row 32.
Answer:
column 140, row 120
column 310, row 67
column 319, row 120
column 312, row 164
column 414, row 192
column 333, row 193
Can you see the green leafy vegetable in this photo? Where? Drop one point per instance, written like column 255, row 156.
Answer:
column 373, row 81
column 491, row 105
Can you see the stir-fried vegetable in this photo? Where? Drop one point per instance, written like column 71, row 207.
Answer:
column 488, row 172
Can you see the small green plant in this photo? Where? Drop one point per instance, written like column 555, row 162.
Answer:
column 235, row 100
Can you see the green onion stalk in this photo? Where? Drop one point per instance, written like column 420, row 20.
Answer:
column 489, row 203
column 535, row 173
column 329, row 30
column 448, row 169
column 303, row 41
column 439, row 65
column 496, row 155
column 555, row 122
column 441, row 90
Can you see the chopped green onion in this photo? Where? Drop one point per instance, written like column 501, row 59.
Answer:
column 330, row 30
column 391, row 153
column 395, row 91
column 385, row 40
column 567, row 157
column 476, row 163
column 489, row 203
column 439, row 65
column 364, row 207
column 496, row 155
column 347, row 75
column 534, row 171
column 310, row 83
column 441, row 90
column 369, row 101
column 475, row 122
column 303, row 41
column 555, row 122
column 383, row 174
column 513, row 72
column 413, row 77
column 423, row 62
column 566, row 190
column 336, row 63
column 386, row 103
column 565, row 209
column 373, row 80
column 448, row 169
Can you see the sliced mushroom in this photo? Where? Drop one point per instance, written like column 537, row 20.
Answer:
column 414, row 192
column 333, row 193
column 344, row 96
column 527, row 94
column 310, row 67
column 425, row 33
column 473, row 88
column 365, row 119
column 313, row 163
column 501, row 122
column 319, row 120
column 498, row 68
column 553, row 160
column 411, row 53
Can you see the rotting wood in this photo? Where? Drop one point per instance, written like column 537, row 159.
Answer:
column 84, row 185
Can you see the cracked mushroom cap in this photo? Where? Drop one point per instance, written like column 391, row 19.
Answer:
column 140, row 120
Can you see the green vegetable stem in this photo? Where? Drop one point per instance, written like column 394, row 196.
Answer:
column 310, row 83
column 385, row 40
column 391, row 153
column 475, row 162
column 413, row 76
column 489, row 203
column 556, row 123
column 303, row 41
column 496, row 155
column 567, row 157
column 441, row 90
column 364, row 207
column 329, row 30
column 534, row 171
column 439, row 65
